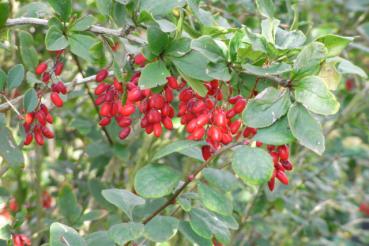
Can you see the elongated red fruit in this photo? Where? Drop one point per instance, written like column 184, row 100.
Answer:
column 47, row 132
column 157, row 130
column 281, row 176
column 104, row 121
column 41, row 68
column 101, row 75
column 206, row 152
column 172, row 82
column 28, row 139
column 140, row 59
column 58, row 68
column 271, row 184
column 28, row 119
column 55, row 98
column 124, row 133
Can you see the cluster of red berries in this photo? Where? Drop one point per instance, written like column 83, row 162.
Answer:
column 35, row 125
column 21, row 240
column 46, row 76
column 203, row 118
column 280, row 156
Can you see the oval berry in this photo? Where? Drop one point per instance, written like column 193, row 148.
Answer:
column 41, row 68
column 101, row 75
column 58, row 68
column 55, row 98
column 124, row 133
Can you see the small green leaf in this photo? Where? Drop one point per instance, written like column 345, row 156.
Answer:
column 276, row 134
column 314, row 95
column 176, row 146
column 104, row 6
column 9, row 150
column 289, row 39
column 55, row 40
column 334, row 43
column 62, row 7
column 221, row 179
column 99, row 238
column 219, row 71
column 197, row 85
column 266, row 8
column 184, row 203
column 306, row 129
column 3, row 78
column 80, row 45
column 153, row 75
column 266, row 108
column 15, row 76
column 187, row 231
column 308, row 60
column 253, row 165
column 27, row 50
column 154, row 181
column 193, row 65
column 30, row 100
column 4, row 13
column 178, row 47
column 83, row 23
column 125, row 232
column 161, row 228
column 67, row 203
column 274, row 69
column 61, row 235
column 123, row 199
column 209, row 48
column 215, row 200
column 5, row 231
column 347, row 67
column 158, row 40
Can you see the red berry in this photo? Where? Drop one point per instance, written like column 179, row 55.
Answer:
column 281, row 176
column 41, row 68
column 127, row 109
column 283, row 152
column 39, row 138
column 156, row 101
column 46, row 77
column 259, row 144
column 124, row 133
column 153, row 116
column 202, row 120
column 61, row 88
column 134, row 95
column 287, row 165
column 58, row 102
column 101, row 75
column 198, row 133
column 230, row 113
column 47, row 132
column 105, row 109
column 172, row 82
column 124, row 122
column 157, row 129
column 168, row 94
column 234, row 99
column 198, row 107
column 235, row 126
column 104, row 121
column 28, row 119
column 28, row 139
column 101, row 88
column 40, row 116
column 206, row 152
column 271, row 184
column 249, row 132
column 239, row 106
column 167, row 122
column 118, row 86
column 220, row 118
column 226, row 138
column 140, row 59
column 191, row 126
column 275, row 157
column 58, row 68
column 215, row 134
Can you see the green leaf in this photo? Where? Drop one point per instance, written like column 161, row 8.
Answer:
column 268, row 30
column 234, row 44
column 193, row 65
column 314, row 95
column 154, row 181
column 215, row 200
column 80, row 45
column 83, row 23
column 266, row 8
column 55, row 40
column 27, row 50
column 221, row 179
column 334, row 43
column 276, row 134
column 3, row 78
column 67, row 204
column 160, row 7
column 309, row 59
column 178, row 47
column 196, row 85
column 158, row 40
column 4, row 13
column 306, row 129
column 347, row 67
column 9, row 150
column 289, row 39
column 219, row 71
column 274, row 69
column 189, row 234
column 30, row 100
column 125, row 232
column 62, row 235
column 104, row 6
column 176, row 146
column 253, row 165
column 15, row 76
column 5, row 231
column 99, row 238
column 62, row 7
column 161, row 228
column 153, row 75
column 184, row 203
column 165, row 25
column 266, row 108
column 123, row 199
column 209, row 48
column 207, row 224
column 330, row 75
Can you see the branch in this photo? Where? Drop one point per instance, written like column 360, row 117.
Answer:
column 188, row 181
column 94, row 28
column 17, row 100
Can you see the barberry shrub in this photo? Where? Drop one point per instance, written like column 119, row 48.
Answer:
column 143, row 122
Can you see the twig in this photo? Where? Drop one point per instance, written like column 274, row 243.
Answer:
column 188, row 181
